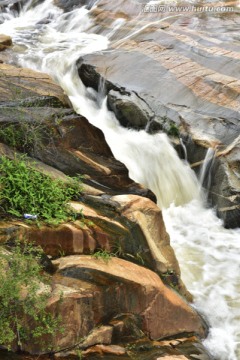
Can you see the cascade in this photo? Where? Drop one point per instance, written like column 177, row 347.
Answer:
column 205, row 171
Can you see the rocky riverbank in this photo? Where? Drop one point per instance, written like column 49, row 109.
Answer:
column 132, row 303
column 181, row 75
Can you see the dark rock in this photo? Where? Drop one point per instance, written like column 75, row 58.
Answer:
column 5, row 42
column 69, row 5
column 225, row 189
column 130, row 110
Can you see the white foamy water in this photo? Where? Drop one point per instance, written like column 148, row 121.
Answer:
column 49, row 40
column 209, row 260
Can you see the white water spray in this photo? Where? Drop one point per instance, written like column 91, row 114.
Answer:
column 208, row 254
column 205, row 173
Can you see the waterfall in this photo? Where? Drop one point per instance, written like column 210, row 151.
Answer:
column 51, row 41
column 206, row 168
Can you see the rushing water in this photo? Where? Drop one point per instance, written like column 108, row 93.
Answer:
column 49, row 40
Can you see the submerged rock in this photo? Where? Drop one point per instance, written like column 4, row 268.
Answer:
column 5, row 42
column 130, row 110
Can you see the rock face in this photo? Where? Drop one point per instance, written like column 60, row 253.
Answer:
column 116, row 287
column 127, row 226
column 182, row 75
column 226, row 181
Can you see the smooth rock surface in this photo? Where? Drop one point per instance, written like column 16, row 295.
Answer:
column 185, row 71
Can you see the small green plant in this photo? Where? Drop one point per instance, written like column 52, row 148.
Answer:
column 171, row 278
column 24, row 292
column 173, row 130
column 25, row 136
column 79, row 354
column 103, row 255
column 25, row 190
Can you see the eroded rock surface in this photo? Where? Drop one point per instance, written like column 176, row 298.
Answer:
column 186, row 75
column 123, row 287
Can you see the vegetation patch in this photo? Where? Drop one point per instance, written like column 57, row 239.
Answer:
column 24, row 292
column 103, row 255
column 25, row 190
column 25, row 136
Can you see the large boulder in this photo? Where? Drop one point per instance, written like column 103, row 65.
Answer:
column 136, row 232
column 115, row 287
column 187, row 79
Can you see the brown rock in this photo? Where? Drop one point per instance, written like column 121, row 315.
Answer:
column 103, row 349
column 19, row 83
column 172, row 357
column 63, row 240
column 146, row 239
column 148, row 216
column 121, row 286
column 136, row 232
column 100, row 335
column 5, row 42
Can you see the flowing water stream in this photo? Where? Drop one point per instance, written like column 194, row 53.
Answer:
column 49, row 40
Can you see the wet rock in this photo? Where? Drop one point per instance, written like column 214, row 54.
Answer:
column 126, row 328
column 180, row 78
column 69, row 5
column 102, row 290
column 128, row 226
column 130, row 110
column 225, row 185
column 5, row 42
column 131, row 227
